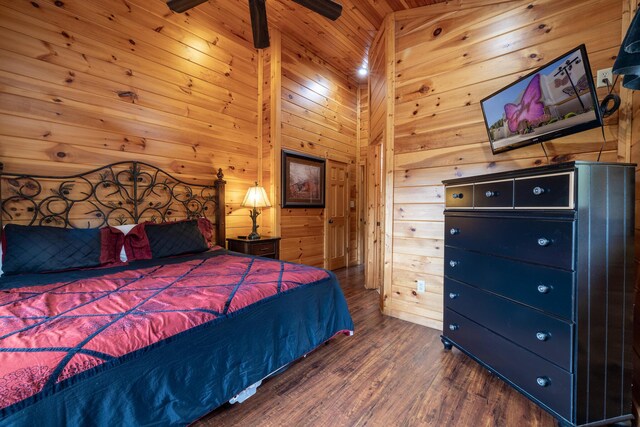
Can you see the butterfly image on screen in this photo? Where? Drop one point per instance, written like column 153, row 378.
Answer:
column 561, row 82
column 530, row 108
column 582, row 86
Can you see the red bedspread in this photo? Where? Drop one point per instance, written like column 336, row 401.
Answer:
column 50, row 333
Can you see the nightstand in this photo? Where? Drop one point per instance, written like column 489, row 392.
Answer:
column 268, row 247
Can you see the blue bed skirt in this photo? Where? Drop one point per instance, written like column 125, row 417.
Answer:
column 188, row 376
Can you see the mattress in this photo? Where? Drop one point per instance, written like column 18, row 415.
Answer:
column 157, row 342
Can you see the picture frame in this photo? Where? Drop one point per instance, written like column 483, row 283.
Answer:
column 303, row 180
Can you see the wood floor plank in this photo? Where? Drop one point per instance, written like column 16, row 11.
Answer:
column 389, row 373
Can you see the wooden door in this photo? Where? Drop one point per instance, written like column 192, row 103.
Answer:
column 373, row 268
column 337, row 214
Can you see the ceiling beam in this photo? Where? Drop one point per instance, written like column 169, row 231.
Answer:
column 327, row 8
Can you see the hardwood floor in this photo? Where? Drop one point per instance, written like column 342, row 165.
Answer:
column 389, row 373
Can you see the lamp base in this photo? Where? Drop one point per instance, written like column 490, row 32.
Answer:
column 254, row 230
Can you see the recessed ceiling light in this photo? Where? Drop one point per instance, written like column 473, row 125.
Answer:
column 362, row 71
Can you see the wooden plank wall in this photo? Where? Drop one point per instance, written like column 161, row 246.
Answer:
column 354, row 191
column 377, row 93
column 361, row 183
column 363, row 141
column 377, row 88
column 267, row 216
column 87, row 82
column 319, row 117
column 447, row 58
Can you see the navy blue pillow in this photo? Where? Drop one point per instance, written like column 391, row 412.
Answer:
column 37, row 249
column 175, row 238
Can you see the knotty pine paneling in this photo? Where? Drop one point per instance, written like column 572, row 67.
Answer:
column 377, row 91
column 363, row 143
column 376, row 121
column 364, row 123
column 86, row 82
column 266, row 218
column 448, row 57
column 358, row 185
column 319, row 117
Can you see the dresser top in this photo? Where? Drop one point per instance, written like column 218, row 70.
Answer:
column 557, row 167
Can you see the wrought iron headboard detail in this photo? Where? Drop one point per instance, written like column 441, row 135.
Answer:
column 116, row 194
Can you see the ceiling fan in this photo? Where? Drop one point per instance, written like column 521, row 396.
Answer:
column 327, row 8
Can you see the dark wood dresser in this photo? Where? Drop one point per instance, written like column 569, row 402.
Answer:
column 539, row 280
column 268, row 247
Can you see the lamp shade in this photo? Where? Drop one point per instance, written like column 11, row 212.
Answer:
column 628, row 60
column 256, row 198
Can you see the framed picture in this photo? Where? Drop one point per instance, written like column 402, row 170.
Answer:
column 302, row 180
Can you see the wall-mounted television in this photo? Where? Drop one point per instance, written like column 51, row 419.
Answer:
column 555, row 100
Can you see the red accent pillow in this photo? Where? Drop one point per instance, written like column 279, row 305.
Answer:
column 136, row 244
column 206, row 228
column 111, row 242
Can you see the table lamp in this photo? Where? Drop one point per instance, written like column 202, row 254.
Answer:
column 256, row 198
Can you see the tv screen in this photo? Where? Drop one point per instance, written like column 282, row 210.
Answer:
column 556, row 100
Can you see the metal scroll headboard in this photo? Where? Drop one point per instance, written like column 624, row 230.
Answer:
column 116, row 194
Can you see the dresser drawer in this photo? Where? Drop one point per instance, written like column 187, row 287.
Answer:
column 544, row 335
column 266, row 248
column 547, row 289
column 542, row 241
column 544, row 192
column 460, row 196
column 533, row 375
column 496, row 194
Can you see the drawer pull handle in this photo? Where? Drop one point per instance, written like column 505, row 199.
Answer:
column 544, row 289
column 458, row 195
column 453, row 263
column 543, row 336
column 538, row 191
column 453, row 295
column 454, row 327
column 490, row 193
column 543, row 381
column 454, row 231
column 543, row 241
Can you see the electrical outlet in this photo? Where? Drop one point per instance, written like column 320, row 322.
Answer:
column 604, row 74
column 421, row 286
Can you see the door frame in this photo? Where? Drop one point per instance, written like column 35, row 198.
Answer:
column 361, row 211
column 374, row 224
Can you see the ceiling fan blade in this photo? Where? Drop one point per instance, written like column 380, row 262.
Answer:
column 327, row 8
column 183, row 5
column 259, row 23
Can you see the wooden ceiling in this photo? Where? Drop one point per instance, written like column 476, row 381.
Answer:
column 344, row 43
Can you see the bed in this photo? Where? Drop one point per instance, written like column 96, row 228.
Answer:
column 156, row 340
